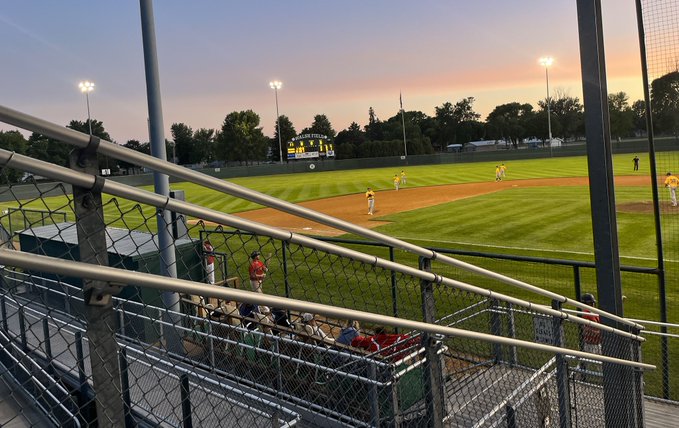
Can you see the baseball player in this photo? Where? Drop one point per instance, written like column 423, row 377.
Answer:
column 498, row 177
column 397, row 181
column 591, row 336
column 371, row 200
column 503, row 168
column 257, row 272
column 403, row 177
column 209, row 251
column 671, row 182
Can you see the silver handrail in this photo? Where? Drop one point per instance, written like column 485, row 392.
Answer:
column 119, row 276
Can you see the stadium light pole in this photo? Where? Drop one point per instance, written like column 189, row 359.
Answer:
column 546, row 62
column 276, row 85
column 86, row 87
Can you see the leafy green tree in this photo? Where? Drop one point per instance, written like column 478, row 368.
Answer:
column 49, row 150
column 204, row 145
column 12, row 141
column 456, row 124
column 288, row 132
column 373, row 130
column 135, row 145
column 665, row 103
column 621, row 115
column 321, row 125
column 567, row 113
column 184, row 145
column 509, row 122
column 348, row 140
column 241, row 138
column 639, row 111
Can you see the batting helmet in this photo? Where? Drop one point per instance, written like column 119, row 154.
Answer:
column 588, row 298
column 254, row 254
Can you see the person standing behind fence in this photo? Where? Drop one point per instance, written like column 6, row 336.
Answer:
column 257, row 272
column 591, row 335
column 209, row 251
column 371, row 200
column 397, row 181
column 671, row 182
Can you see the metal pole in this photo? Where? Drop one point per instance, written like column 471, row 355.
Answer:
column 161, row 181
column 89, row 121
column 662, row 292
column 549, row 112
column 403, row 122
column 394, row 288
column 278, row 124
column 98, row 309
column 617, row 394
column 433, row 373
column 563, row 387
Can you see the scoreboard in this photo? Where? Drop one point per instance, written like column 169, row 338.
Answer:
column 310, row 146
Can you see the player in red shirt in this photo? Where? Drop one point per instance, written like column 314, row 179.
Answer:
column 257, row 272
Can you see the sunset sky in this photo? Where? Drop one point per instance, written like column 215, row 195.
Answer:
column 334, row 58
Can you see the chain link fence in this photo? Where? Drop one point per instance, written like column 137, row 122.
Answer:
column 86, row 344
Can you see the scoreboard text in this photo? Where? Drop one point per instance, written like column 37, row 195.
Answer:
column 310, row 146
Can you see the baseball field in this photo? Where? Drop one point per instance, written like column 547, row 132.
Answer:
column 541, row 209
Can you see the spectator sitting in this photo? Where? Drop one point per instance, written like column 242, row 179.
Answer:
column 263, row 318
column 350, row 335
column 390, row 343
column 311, row 328
column 227, row 314
column 247, row 311
column 280, row 318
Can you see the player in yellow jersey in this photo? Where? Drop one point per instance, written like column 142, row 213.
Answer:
column 397, row 181
column 503, row 168
column 403, row 177
column 498, row 177
column 671, row 182
column 371, row 200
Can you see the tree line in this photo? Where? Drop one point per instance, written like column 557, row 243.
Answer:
column 240, row 140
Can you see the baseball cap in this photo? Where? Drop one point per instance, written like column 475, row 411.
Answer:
column 254, row 254
column 587, row 298
column 306, row 317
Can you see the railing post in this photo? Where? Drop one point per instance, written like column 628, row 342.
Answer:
column 82, row 376
column 394, row 287
column 511, row 416
column 374, row 396
column 563, row 387
column 576, row 282
column 48, row 342
column 433, row 373
column 496, row 328
column 211, row 342
column 22, row 329
column 186, row 401
column 284, row 251
column 98, row 308
column 125, row 385
column 3, row 312
column 513, row 355
column 638, row 379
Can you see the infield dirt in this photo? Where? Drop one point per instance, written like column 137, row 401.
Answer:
column 354, row 208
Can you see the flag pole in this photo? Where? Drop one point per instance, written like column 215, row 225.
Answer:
column 403, row 121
